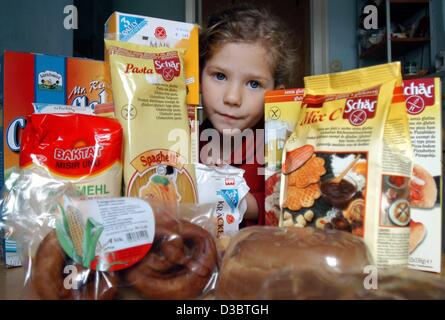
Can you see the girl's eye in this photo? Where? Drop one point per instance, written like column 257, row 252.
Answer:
column 254, row 84
column 220, row 76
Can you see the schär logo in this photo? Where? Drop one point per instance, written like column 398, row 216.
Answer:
column 419, row 88
column 415, row 105
column 419, row 94
column 358, row 110
column 168, row 65
column 230, row 182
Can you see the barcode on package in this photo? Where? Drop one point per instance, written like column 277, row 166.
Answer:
column 139, row 235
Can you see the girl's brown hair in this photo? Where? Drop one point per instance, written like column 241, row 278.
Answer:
column 245, row 23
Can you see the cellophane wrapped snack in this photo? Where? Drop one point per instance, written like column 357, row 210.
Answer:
column 348, row 164
column 256, row 254
column 398, row 284
column 312, row 264
column 113, row 248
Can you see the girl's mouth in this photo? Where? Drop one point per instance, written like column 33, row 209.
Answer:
column 228, row 116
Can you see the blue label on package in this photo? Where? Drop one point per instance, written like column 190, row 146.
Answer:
column 129, row 26
column 231, row 197
column 50, row 79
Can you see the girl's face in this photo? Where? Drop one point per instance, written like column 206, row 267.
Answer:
column 234, row 80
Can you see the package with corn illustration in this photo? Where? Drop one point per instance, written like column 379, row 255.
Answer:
column 106, row 248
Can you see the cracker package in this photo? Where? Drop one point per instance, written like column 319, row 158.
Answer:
column 424, row 111
column 347, row 166
column 281, row 111
column 149, row 91
column 225, row 188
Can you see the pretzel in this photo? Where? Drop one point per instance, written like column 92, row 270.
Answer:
column 48, row 276
column 179, row 266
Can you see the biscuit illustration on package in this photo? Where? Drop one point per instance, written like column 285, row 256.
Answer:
column 296, row 158
column 298, row 198
column 308, row 173
column 304, row 182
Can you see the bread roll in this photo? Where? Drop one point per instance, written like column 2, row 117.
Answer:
column 257, row 254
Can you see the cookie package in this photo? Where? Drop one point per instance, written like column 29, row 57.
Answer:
column 281, row 111
column 350, row 145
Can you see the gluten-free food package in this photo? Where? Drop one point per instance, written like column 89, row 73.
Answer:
column 349, row 148
column 149, row 91
column 83, row 149
column 424, row 113
column 281, row 109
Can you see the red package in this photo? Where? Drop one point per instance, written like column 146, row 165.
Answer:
column 86, row 150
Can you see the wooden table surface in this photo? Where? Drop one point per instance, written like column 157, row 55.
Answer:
column 11, row 282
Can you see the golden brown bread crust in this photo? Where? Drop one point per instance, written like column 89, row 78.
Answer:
column 258, row 253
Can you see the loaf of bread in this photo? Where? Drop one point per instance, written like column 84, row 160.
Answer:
column 258, row 254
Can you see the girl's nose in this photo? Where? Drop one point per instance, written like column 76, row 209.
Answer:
column 233, row 95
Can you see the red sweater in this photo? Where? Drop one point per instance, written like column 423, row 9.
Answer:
column 254, row 171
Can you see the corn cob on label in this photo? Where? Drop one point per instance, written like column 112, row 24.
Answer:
column 105, row 234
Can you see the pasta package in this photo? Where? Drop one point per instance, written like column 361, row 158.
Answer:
column 347, row 166
column 155, row 32
column 150, row 91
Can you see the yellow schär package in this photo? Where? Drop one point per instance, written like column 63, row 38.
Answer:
column 348, row 164
column 155, row 32
column 149, row 96
column 423, row 104
column 281, row 109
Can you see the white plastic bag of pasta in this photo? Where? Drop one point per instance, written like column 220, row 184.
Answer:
column 114, row 248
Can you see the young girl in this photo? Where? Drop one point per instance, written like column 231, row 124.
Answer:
column 245, row 51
